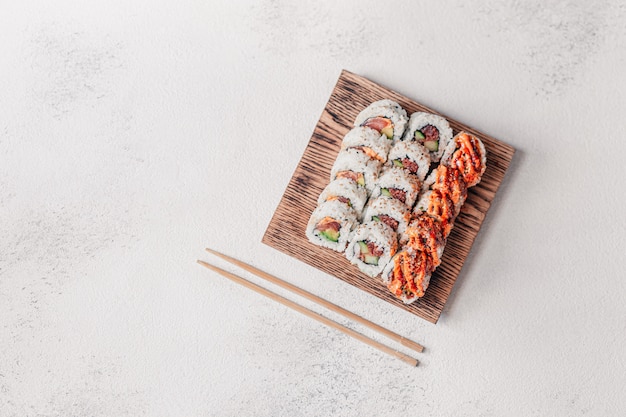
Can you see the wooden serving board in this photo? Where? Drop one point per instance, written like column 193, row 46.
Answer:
column 286, row 231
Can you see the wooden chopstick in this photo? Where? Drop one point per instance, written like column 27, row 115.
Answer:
column 327, row 304
column 312, row 314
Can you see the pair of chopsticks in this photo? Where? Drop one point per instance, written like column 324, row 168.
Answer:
column 312, row 314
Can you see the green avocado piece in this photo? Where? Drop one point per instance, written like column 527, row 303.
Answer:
column 330, row 235
column 398, row 163
column 419, row 135
column 385, row 192
column 432, row 145
column 376, row 218
column 387, row 131
column 363, row 247
column 370, row 259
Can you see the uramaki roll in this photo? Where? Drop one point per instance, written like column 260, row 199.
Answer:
column 412, row 157
column 438, row 205
column 357, row 166
column 346, row 191
column 385, row 116
column 407, row 275
column 468, row 155
column 330, row 225
column 370, row 141
column 396, row 183
column 424, row 233
column 371, row 247
column 430, row 130
column 388, row 210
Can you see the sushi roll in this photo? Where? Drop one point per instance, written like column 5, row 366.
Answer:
column 330, row 225
column 408, row 274
column 346, row 191
column 396, row 183
column 439, row 206
column 371, row 247
column 357, row 166
column 450, row 181
column 384, row 116
column 412, row 157
column 369, row 141
column 425, row 234
column 390, row 211
column 430, row 130
column 467, row 154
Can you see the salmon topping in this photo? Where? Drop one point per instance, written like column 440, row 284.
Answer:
column 380, row 124
column 328, row 224
column 369, row 152
column 339, row 198
column 354, row 176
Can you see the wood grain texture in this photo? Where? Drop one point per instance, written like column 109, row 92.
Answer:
column 286, row 230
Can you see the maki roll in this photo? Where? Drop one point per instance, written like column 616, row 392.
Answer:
column 430, row 130
column 412, row 157
column 371, row 247
column 390, row 211
column 384, row 116
column 467, row 154
column 450, row 181
column 408, row 274
column 439, row 206
column 396, row 183
column 330, row 225
column 368, row 141
column 425, row 234
column 346, row 191
column 358, row 167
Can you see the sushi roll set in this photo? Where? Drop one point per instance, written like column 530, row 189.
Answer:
column 395, row 190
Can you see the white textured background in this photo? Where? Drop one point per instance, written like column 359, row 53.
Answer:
column 133, row 135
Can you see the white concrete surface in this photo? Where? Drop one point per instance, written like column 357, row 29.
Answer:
column 134, row 134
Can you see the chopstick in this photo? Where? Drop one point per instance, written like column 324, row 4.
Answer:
column 312, row 314
column 312, row 297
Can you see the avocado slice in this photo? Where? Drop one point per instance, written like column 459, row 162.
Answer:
column 432, row 145
column 330, row 235
column 371, row 259
column 387, row 131
column 363, row 247
column 376, row 218
column 361, row 179
column 398, row 163
column 385, row 192
column 419, row 135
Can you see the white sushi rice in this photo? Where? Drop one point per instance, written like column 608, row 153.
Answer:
column 414, row 152
column 382, row 236
column 422, row 204
column 370, row 138
column 357, row 161
column 342, row 213
column 395, row 177
column 421, row 119
column 389, row 207
column 345, row 187
column 388, row 109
